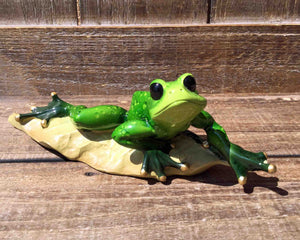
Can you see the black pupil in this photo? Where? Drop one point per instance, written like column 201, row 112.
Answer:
column 156, row 91
column 190, row 83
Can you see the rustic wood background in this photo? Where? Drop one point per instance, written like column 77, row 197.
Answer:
column 245, row 57
column 150, row 12
column 122, row 60
column 122, row 45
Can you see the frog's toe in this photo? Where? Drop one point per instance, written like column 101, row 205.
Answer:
column 169, row 162
column 272, row 168
column 184, row 167
column 32, row 108
column 17, row 118
column 162, row 178
column 144, row 173
column 145, row 167
column 259, row 162
column 44, row 123
column 240, row 171
column 242, row 180
column 156, row 161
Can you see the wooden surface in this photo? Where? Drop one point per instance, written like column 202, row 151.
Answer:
column 254, row 11
column 38, row 12
column 90, row 12
column 44, row 197
column 120, row 60
column 143, row 12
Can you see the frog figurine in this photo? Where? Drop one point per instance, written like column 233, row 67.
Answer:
column 153, row 120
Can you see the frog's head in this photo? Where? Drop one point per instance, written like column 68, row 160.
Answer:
column 175, row 104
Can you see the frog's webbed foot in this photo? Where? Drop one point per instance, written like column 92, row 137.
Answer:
column 156, row 160
column 243, row 161
column 56, row 108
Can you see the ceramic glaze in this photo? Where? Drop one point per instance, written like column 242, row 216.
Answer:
column 154, row 119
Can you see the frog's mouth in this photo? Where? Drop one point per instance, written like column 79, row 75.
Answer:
column 180, row 111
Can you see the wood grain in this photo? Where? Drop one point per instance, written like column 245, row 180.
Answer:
column 120, row 60
column 60, row 200
column 254, row 11
column 37, row 12
column 42, row 197
column 143, row 12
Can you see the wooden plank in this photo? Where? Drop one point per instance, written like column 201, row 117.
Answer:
column 37, row 12
column 120, row 60
column 69, row 200
column 267, row 11
column 143, row 12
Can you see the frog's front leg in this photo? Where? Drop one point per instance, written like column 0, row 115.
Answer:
column 139, row 135
column 96, row 118
column 240, row 159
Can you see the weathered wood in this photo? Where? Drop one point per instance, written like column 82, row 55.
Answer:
column 267, row 11
column 143, row 12
column 88, row 12
column 116, row 207
column 68, row 200
column 37, row 12
column 121, row 60
column 42, row 198
column 74, row 200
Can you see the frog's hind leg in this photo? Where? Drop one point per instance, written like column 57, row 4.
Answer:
column 56, row 108
column 96, row 118
column 101, row 117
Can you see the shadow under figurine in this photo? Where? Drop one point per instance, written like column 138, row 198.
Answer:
column 149, row 140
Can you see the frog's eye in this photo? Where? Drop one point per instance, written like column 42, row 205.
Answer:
column 156, row 91
column 190, row 83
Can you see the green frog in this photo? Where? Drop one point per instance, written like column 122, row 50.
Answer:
column 154, row 118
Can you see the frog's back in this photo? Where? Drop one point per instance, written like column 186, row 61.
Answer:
column 139, row 106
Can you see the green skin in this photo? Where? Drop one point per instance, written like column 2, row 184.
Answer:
column 151, row 123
